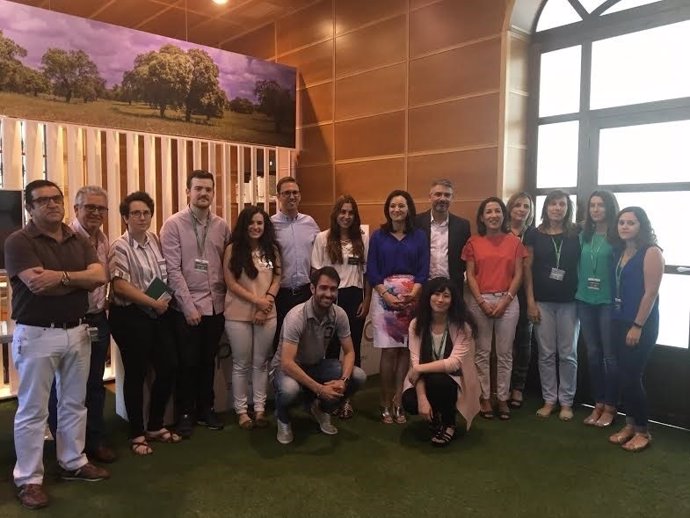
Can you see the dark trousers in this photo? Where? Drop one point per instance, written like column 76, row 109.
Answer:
column 286, row 299
column 95, row 391
column 144, row 343
column 631, row 364
column 522, row 347
column 442, row 393
column 197, row 347
column 349, row 299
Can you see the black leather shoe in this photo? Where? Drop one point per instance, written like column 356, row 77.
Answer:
column 210, row 421
column 185, row 426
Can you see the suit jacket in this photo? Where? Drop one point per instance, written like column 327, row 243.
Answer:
column 458, row 234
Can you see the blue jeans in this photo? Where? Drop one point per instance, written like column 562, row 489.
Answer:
column 287, row 390
column 595, row 323
column 632, row 362
column 95, row 391
column 557, row 334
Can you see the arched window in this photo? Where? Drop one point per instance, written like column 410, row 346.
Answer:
column 610, row 109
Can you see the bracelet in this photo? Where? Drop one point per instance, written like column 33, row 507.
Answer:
column 480, row 303
column 638, row 326
column 512, row 297
column 269, row 294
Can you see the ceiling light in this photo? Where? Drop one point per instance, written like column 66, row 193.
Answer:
column 220, row 2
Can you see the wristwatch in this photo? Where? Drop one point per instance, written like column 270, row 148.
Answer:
column 65, row 279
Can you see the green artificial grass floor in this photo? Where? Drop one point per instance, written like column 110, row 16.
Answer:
column 526, row 467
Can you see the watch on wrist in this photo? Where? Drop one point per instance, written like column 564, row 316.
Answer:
column 65, row 279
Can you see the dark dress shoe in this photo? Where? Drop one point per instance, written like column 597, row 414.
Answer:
column 185, row 426
column 211, row 421
column 102, row 454
column 32, row 496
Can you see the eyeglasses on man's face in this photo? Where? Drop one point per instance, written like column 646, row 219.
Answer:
column 101, row 209
column 288, row 194
column 42, row 201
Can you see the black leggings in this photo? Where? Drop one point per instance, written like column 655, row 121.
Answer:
column 442, row 393
column 144, row 343
column 349, row 299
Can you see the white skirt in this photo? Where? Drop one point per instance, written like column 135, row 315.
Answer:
column 391, row 326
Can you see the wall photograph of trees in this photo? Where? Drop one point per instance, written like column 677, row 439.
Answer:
column 56, row 67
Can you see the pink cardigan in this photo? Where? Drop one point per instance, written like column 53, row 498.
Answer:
column 461, row 358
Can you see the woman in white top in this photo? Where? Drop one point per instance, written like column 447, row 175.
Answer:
column 344, row 246
column 252, row 275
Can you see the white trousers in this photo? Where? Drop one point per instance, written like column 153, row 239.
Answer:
column 251, row 346
column 41, row 355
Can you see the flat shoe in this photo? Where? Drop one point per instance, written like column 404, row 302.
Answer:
column 605, row 419
column 246, row 424
column 487, row 414
column 545, row 411
column 515, row 403
column 566, row 413
column 639, row 442
column 622, row 436
column 260, row 420
column 591, row 419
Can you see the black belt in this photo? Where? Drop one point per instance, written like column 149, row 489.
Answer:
column 296, row 291
column 69, row 324
column 95, row 316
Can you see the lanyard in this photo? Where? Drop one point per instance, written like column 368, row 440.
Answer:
column 438, row 350
column 594, row 253
column 557, row 251
column 619, row 273
column 200, row 245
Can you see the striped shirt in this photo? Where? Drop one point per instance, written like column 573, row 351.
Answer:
column 137, row 264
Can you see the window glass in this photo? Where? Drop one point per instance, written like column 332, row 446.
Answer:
column 650, row 153
column 559, row 81
column 666, row 213
column 555, row 14
column 628, row 4
column 557, row 155
column 674, row 314
column 640, row 67
column 591, row 5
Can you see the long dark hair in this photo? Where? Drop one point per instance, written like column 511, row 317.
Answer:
column 333, row 247
column 611, row 207
column 241, row 255
column 569, row 226
column 458, row 314
column 481, row 226
column 411, row 212
column 646, row 235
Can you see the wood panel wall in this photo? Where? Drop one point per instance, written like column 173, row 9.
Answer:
column 394, row 93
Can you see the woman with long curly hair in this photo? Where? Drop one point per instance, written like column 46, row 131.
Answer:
column 252, row 275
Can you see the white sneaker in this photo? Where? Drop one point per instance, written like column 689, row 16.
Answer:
column 284, row 434
column 323, row 418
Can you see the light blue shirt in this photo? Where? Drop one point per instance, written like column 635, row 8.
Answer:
column 295, row 237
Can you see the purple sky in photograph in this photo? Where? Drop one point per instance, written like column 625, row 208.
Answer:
column 114, row 48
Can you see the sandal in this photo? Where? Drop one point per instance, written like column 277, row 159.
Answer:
column 515, row 402
column 163, row 435
column 591, row 419
column 245, row 422
column 639, row 442
column 566, row 413
column 546, row 410
column 260, row 420
column 140, row 447
column 606, row 418
column 486, row 414
column 386, row 417
column 623, row 436
column 503, row 411
column 444, row 436
column 346, row 411
column 399, row 415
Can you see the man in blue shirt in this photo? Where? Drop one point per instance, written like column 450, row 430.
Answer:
column 295, row 233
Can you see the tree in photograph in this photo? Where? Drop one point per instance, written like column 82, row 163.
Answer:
column 72, row 74
column 241, row 105
column 276, row 102
column 205, row 96
column 34, row 82
column 161, row 78
column 11, row 68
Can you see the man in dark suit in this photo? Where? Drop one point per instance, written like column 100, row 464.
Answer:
column 446, row 232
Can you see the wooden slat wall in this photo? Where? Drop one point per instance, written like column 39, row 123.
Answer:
column 74, row 156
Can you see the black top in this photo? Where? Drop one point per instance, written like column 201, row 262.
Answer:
column 544, row 246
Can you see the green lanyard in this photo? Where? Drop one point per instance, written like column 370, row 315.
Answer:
column 200, row 245
column 619, row 273
column 438, row 351
column 594, row 253
column 557, row 251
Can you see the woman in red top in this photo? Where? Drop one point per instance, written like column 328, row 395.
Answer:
column 494, row 273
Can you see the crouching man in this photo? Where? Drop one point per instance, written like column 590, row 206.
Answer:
column 299, row 365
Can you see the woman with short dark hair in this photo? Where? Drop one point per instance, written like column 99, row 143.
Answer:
column 442, row 380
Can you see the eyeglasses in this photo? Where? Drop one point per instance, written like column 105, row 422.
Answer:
column 140, row 214
column 58, row 199
column 95, row 208
column 287, row 194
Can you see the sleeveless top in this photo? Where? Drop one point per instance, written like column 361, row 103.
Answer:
column 239, row 309
column 631, row 287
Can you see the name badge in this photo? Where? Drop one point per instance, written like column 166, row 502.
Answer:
column 617, row 302
column 593, row 283
column 353, row 260
column 201, row 265
column 557, row 274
